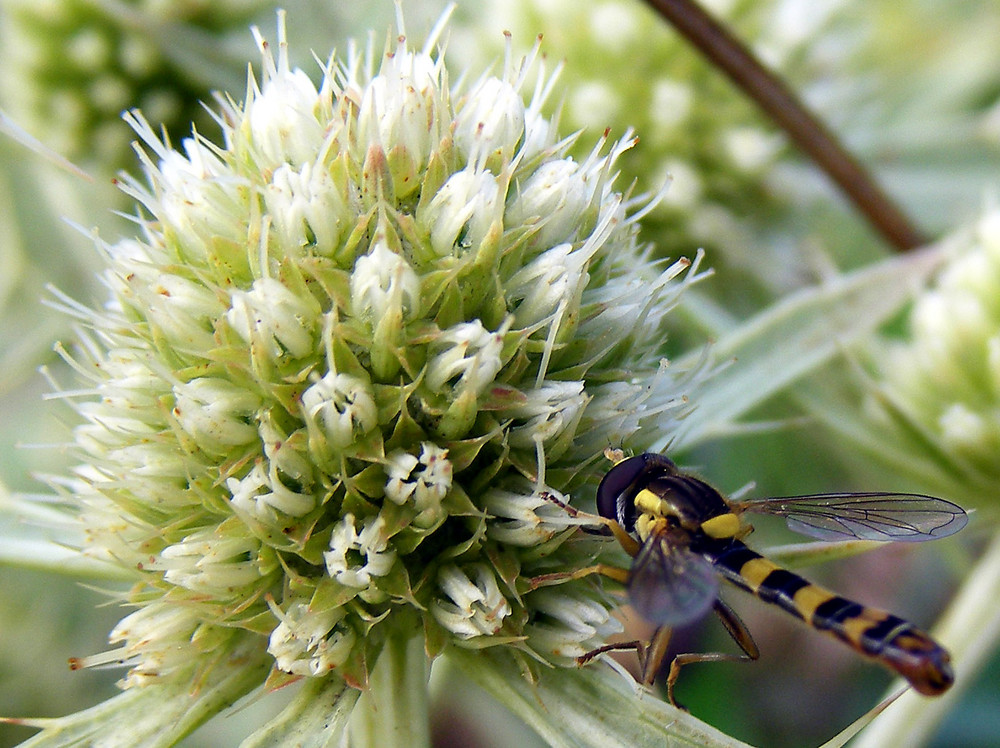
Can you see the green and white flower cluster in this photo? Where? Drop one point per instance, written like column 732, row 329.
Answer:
column 938, row 392
column 350, row 350
column 697, row 130
column 71, row 67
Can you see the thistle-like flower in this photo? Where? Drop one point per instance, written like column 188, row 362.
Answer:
column 696, row 129
column 350, row 353
column 938, row 391
column 73, row 66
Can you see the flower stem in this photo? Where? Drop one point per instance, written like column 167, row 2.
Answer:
column 733, row 58
column 394, row 710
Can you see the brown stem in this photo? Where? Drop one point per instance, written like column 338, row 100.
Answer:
column 777, row 100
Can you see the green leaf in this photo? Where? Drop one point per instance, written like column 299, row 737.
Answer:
column 153, row 716
column 591, row 707
column 317, row 717
column 806, row 554
column 795, row 336
column 44, row 555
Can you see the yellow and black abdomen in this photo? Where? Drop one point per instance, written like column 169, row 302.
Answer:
column 888, row 639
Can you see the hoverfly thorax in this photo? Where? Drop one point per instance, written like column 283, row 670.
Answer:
column 650, row 485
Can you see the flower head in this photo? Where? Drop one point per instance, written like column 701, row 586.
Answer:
column 938, row 392
column 697, row 132
column 353, row 349
column 73, row 66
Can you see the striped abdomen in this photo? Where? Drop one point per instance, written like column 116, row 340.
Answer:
column 882, row 636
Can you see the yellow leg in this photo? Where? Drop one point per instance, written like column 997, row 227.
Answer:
column 736, row 629
column 630, row 544
column 605, row 570
column 653, row 653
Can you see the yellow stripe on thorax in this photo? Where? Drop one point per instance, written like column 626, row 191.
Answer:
column 722, row 526
column 649, row 503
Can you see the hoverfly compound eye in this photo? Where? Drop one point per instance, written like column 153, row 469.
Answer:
column 622, row 482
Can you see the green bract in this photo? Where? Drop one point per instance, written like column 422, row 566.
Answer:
column 350, row 352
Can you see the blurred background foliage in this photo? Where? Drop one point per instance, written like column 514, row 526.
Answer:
column 912, row 87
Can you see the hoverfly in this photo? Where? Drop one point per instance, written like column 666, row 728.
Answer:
column 684, row 536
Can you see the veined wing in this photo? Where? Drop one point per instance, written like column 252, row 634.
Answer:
column 671, row 586
column 866, row 516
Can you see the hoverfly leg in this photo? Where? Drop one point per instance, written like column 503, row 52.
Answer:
column 736, row 629
column 630, row 544
column 605, row 570
column 636, row 645
column 651, row 654
column 656, row 652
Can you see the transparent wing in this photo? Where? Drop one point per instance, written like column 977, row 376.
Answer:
column 867, row 516
column 671, row 586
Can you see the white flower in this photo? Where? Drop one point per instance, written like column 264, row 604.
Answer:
column 309, row 209
column 569, row 626
column 260, row 495
column 282, row 118
column 463, row 212
column 274, row 318
column 383, row 285
column 309, row 642
column 473, row 604
column 339, row 370
column 752, row 149
column 422, row 482
column 553, row 199
column 210, row 562
column 155, row 639
column 341, row 406
column 670, row 102
column 550, row 412
column 490, row 121
column 216, row 412
column 369, row 546
column 945, row 379
column 200, row 200
column 284, row 452
column 525, row 519
column 467, row 358
column 547, row 282
column 397, row 115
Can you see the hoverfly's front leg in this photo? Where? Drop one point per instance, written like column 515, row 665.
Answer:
column 628, row 543
column 735, row 628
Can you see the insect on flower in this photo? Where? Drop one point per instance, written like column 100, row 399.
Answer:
column 683, row 536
